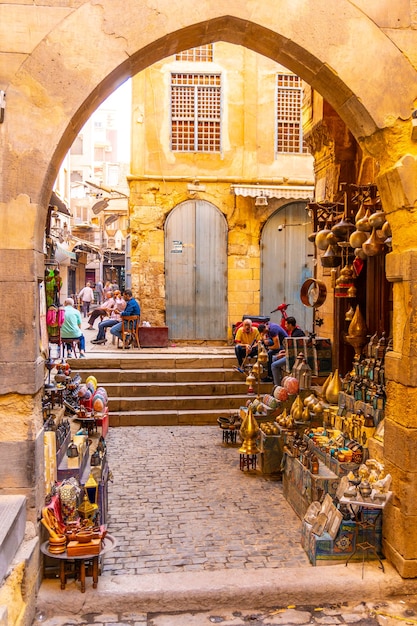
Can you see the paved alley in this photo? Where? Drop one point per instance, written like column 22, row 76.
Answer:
column 179, row 502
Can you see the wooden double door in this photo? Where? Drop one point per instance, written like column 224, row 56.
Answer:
column 196, row 272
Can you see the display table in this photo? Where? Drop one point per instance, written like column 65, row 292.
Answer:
column 108, row 544
column 153, row 336
column 301, row 487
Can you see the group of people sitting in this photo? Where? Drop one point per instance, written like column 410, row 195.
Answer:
column 111, row 311
column 248, row 338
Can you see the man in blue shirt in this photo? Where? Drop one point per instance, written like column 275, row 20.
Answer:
column 274, row 337
column 132, row 308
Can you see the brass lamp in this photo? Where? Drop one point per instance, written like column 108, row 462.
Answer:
column 249, row 381
column 249, row 431
column 87, row 510
column 91, row 487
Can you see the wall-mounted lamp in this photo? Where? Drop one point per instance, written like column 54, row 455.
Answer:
column 2, row 105
column 261, row 200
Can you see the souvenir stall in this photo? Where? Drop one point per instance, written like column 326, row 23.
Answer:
column 76, row 475
column 324, row 436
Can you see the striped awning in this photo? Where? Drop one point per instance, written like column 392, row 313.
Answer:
column 296, row 192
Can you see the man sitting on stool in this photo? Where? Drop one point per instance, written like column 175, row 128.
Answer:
column 280, row 360
column 246, row 340
column 132, row 308
column 71, row 328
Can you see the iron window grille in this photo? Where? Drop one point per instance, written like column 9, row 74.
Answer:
column 289, row 135
column 195, row 112
column 199, row 54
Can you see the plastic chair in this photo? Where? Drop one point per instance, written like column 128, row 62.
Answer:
column 130, row 331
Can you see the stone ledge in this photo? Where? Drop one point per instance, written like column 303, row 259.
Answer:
column 12, row 529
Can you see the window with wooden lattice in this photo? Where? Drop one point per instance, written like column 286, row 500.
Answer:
column 199, row 54
column 195, row 112
column 289, row 135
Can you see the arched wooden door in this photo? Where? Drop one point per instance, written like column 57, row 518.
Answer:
column 196, row 272
column 287, row 261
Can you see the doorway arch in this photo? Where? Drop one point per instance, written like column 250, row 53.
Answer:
column 60, row 71
column 196, row 272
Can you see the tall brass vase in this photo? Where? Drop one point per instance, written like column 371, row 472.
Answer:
column 249, row 431
column 357, row 332
column 333, row 388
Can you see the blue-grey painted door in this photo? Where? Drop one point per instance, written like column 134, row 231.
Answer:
column 196, row 272
column 287, row 259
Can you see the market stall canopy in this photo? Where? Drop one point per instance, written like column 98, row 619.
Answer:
column 63, row 254
column 295, row 191
column 59, row 204
column 82, row 245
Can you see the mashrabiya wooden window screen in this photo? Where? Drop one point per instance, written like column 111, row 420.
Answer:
column 199, row 54
column 289, row 135
column 196, row 112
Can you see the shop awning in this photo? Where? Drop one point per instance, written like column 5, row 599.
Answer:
column 62, row 254
column 295, row 192
column 59, row 204
column 82, row 245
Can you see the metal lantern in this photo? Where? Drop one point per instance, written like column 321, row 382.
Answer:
column 91, row 487
column 72, row 450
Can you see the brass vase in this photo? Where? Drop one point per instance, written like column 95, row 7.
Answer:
column 249, row 431
column 357, row 332
column 333, row 388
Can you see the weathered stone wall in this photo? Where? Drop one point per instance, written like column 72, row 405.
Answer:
column 64, row 60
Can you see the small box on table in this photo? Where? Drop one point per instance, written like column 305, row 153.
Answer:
column 92, row 548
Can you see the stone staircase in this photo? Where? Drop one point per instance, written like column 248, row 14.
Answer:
column 150, row 388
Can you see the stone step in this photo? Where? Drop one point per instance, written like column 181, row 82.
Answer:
column 177, row 403
column 169, row 389
column 194, row 417
column 160, row 362
column 162, row 388
column 133, row 376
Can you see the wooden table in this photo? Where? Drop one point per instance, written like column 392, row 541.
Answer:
column 108, row 544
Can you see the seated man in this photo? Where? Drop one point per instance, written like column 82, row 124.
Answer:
column 104, row 310
column 71, row 328
column 246, row 340
column 274, row 337
column 132, row 308
column 279, row 361
column 119, row 306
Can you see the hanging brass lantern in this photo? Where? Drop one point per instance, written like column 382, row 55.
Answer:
column 250, row 380
column 357, row 332
column 262, row 354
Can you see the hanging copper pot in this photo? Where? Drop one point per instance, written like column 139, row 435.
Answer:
column 343, row 228
column 377, row 219
column 332, row 239
column 357, row 238
column 386, row 230
column 373, row 246
column 363, row 224
column 331, row 258
column 361, row 213
column 360, row 254
column 321, row 239
column 312, row 237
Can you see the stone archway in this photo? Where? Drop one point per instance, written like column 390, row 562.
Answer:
column 67, row 60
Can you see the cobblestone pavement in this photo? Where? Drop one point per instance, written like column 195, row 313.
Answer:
column 180, row 503
column 359, row 614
